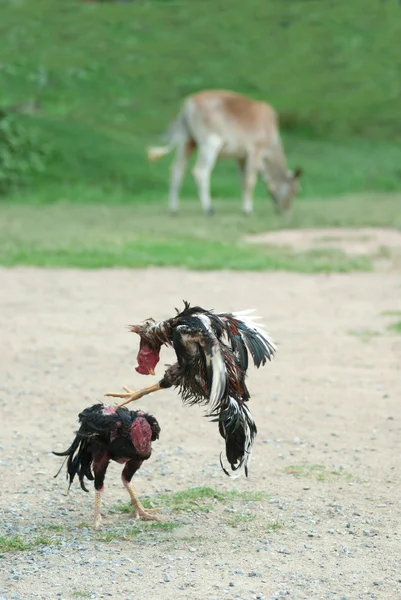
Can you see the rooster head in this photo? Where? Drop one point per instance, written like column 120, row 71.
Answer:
column 149, row 350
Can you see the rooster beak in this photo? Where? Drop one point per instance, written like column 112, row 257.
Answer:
column 151, row 372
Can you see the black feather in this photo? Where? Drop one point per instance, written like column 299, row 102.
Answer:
column 103, row 434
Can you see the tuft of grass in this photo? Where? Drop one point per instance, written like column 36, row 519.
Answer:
column 318, row 472
column 395, row 327
column 16, row 543
column 274, row 526
column 12, row 544
column 198, row 498
column 240, row 519
column 391, row 313
column 54, row 527
column 365, row 334
column 128, row 533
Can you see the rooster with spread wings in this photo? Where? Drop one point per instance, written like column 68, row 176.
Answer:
column 212, row 361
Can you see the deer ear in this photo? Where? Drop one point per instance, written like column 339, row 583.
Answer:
column 297, row 172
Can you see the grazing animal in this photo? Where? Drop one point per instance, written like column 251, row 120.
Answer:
column 223, row 124
column 106, row 434
column 212, row 362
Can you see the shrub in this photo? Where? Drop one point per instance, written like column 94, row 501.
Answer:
column 21, row 154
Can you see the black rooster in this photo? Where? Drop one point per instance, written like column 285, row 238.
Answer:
column 106, row 434
column 212, row 352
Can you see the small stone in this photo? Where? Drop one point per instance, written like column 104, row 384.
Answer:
column 254, row 574
column 368, row 533
column 306, row 487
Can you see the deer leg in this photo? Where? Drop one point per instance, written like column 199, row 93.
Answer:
column 130, row 396
column 248, row 184
column 184, row 150
column 202, row 171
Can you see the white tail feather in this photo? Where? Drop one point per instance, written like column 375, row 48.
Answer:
column 249, row 321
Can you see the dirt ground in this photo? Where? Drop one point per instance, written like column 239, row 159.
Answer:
column 382, row 244
column 327, row 454
column 364, row 240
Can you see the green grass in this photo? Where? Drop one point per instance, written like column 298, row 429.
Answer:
column 395, row 327
column 199, row 498
column 241, row 519
column 365, row 334
column 54, row 527
column 133, row 531
column 17, row 543
column 94, row 236
column 109, row 77
column 318, row 472
column 274, row 526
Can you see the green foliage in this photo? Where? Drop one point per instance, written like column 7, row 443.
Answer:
column 109, row 77
column 20, row 153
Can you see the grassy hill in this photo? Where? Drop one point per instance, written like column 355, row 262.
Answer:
column 108, row 78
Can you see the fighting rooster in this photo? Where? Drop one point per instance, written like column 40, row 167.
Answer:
column 212, row 352
column 106, row 434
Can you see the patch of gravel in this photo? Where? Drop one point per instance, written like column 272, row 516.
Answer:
column 327, row 454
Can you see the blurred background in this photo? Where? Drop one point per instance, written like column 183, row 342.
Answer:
column 86, row 86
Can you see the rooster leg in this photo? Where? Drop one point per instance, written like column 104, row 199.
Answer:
column 140, row 512
column 130, row 396
column 100, row 464
column 98, row 503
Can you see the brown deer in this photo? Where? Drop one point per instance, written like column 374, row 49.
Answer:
column 224, row 124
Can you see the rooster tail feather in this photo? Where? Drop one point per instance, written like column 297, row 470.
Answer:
column 237, row 427
column 79, row 461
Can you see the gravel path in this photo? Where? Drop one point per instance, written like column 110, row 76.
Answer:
column 326, row 465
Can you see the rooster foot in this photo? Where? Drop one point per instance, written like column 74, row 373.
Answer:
column 146, row 513
column 129, row 395
column 98, row 521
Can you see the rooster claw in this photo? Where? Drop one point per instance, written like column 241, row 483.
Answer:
column 146, row 514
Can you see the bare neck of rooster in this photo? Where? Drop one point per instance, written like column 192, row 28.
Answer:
column 160, row 332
